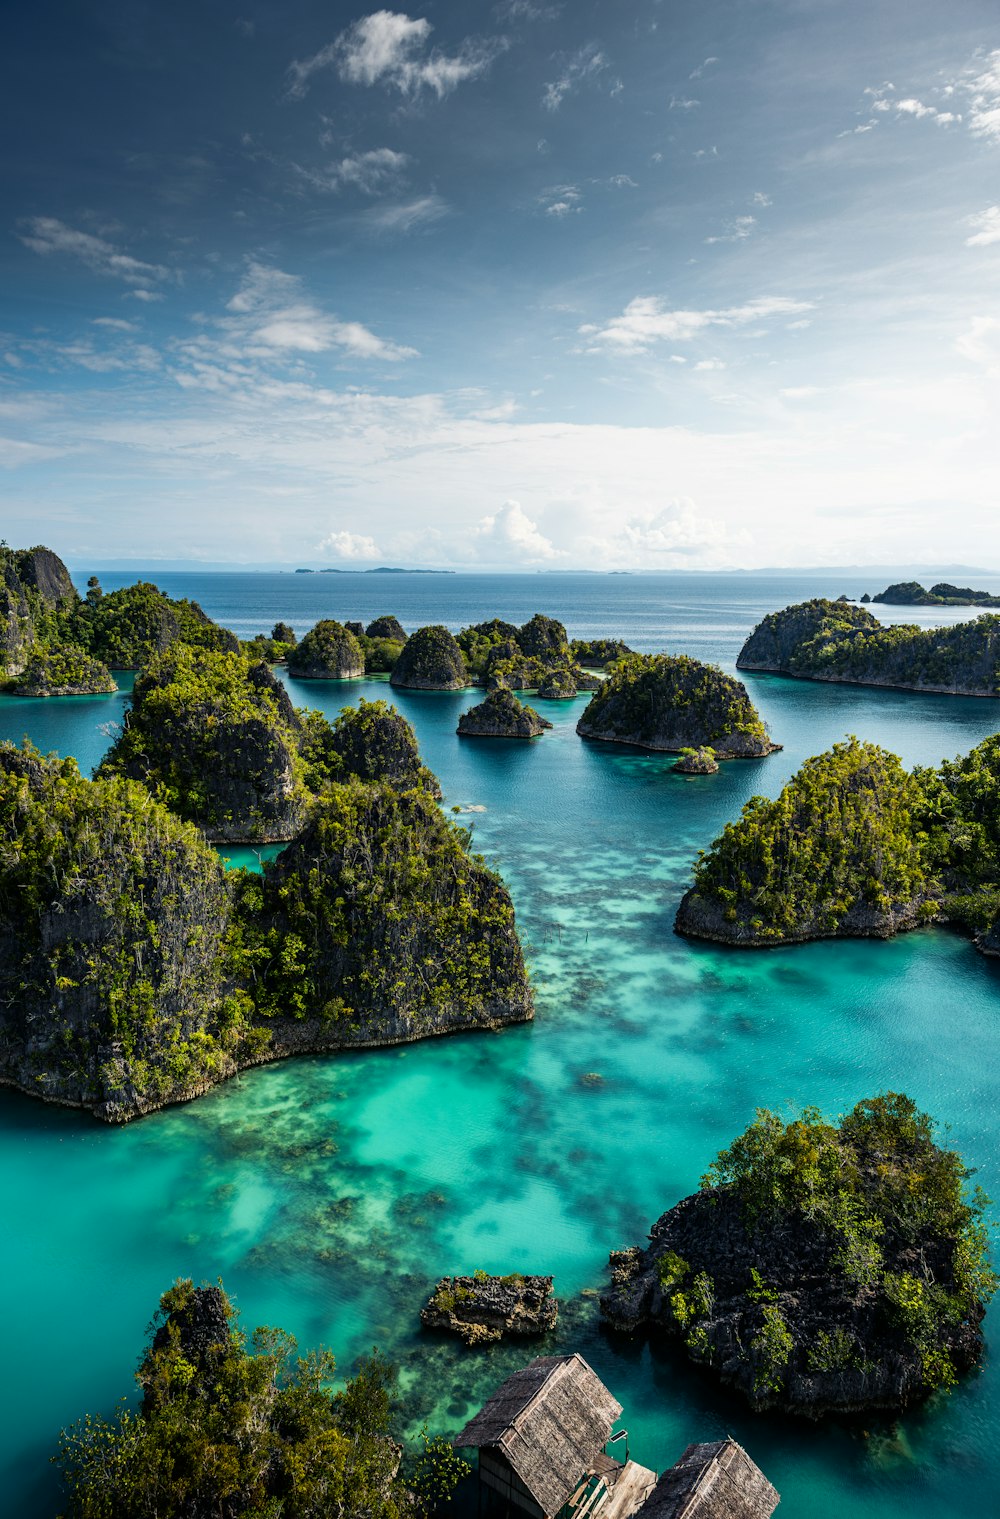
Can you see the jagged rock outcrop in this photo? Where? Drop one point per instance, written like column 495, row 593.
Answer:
column 840, row 853
column 112, row 917
column 673, row 703
column 329, row 651
column 376, row 926
column 34, row 586
column 371, row 742
column 483, row 1309
column 386, row 627
column 62, row 670
column 822, row 640
column 826, row 1293
column 201, row 1324
column 215, row 738
column 43, row 571
column 697, row 762
column 501, row 715
column 431, row 660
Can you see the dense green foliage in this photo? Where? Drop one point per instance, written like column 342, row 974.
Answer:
column 214, row 737
column 126, row 628
column 672, row 702
column 892, row 1205
column 329, row 651
column 377, row 912
column 847, row 832
column 828, row 640
column 386, row 628
column 596, row 653
column 380, row 654
column 112, row 914
column 371, row 742
column 60, row 669
column 431, row 660
column 242, row 1427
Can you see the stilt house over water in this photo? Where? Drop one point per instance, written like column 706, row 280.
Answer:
column 541, row 1440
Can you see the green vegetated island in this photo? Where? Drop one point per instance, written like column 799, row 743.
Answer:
column 910, row 593
column 835, row 641
column 856, row 845
column 822, row 1267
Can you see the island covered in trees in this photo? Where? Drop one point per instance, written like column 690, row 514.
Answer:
column 822, row 1267
column 856, row 845
column 834, row 641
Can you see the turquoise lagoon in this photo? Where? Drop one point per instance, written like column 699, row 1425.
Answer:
column 330, row 1193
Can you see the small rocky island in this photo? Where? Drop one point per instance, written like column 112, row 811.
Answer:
column 501, row 715
column 371, row 741
column 483, row 1309
column 832, row 641
column 822, row 1267
column 700, row 761
column 673, row 703
column 430, row 660
column 329, row 651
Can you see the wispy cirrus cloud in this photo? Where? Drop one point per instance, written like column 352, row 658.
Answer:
column 581, row 68
column 372, row 172
column 561, row 200
column 646, row 321
column 391, row 49
column 51, row 237
column 986, row 228
column 407, row 215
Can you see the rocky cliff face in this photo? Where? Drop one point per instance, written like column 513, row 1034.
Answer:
column 481, row 1309
column 501, row 715
column 329, row 651
column 431, row 661
column 34, row 585
column 824, row 640
column 43, row 571
column 215, row 738
column 387, row 627
column 376, row 926
column 675, row 703
column 112, row 994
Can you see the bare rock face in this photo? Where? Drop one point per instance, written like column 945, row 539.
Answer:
column 329, row 651
column 43, row 571
column 431, row 660
column 501, row 715
column 483, row 1309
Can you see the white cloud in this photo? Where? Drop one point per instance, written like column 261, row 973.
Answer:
column 760, row 199
column 47, row 235
column 697, row 73
column 680, row 103
column 646, row 321
column 561, row 200
column 984, row 93
column 710, row 364
column 344, row 545
column 114, row 324
column 986, row 226
column 406, row 216
column 737, row 230
column 526, row 10
column 390, row 48
column 583, row 67
column 677, row 530
column 371, row 172
column 510, row 534
column 269, row 313
column 981, row 344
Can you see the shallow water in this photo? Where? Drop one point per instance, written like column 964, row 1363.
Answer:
column 331, row 1192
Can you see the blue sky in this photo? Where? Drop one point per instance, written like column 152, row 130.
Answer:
column 606, row 284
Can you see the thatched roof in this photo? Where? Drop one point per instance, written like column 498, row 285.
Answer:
column 550, row 1420
column 717, row 1481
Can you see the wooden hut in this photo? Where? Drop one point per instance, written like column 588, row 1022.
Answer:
column 541, row 1439
column 716, row 1481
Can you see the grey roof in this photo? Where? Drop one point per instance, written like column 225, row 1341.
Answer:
column 717, row 1481
column 550, row 1419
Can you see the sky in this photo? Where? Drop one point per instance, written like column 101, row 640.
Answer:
column 605, row 284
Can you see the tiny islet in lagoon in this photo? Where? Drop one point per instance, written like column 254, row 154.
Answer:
column 331, row 1193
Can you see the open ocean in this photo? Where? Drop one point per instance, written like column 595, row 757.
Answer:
column 331, row 1192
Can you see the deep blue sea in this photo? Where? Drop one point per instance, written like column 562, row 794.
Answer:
column 330, row 1193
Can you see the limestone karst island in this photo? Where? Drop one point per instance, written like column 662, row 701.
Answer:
column 500, row 760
